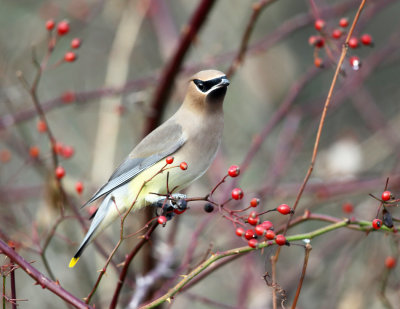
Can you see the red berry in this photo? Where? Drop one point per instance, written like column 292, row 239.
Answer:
column 162, row 220
column 270, row 234
column 347, row 208
column 376, row 224
column 240, row 231
column 70, row 56
column 41, row 126
column 169, row 160
column 353, row 42
column 76, row 43
column 58, row 147
column 343, row 22
column 67, row 151
column 50, row 24
column 260, row 230
column 284, row 209
column 79, row 187
column 183, row 166
column 355, row 62
column 34, row 152
column 267, row 225
column 252, row 243
column 319, row 24
column 179, row 211
column 319, row 42
column 60, row 172
column 63, row 27
column 237, row 194
column 337, row 33
column 68, row 97
column 386, row 195
column 253, row 221
column 366, row 39
column 390, row 262
column 234, row 171
column 254, row 202
column 5, row 155
column 318, row 62
column 249, row 234
column 280, row 240
column 312, row 39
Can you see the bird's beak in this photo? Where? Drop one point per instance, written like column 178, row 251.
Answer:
column 224, row 82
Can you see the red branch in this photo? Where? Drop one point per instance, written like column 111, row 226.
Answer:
column 127, row 262
column 41, row 279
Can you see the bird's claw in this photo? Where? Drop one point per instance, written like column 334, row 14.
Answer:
column 169, row 207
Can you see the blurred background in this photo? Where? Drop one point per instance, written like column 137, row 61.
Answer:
column 98, row 106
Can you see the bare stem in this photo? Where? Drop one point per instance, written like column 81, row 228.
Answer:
column 320, row 127
column 40, row 278
column 239, row 58
column 303, row 274
column 128, row 261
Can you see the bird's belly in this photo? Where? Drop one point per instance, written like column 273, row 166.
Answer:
column 153, row 181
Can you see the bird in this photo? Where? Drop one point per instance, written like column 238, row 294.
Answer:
column 191, row 135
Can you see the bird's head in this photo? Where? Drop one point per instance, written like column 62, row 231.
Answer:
column 206, row 90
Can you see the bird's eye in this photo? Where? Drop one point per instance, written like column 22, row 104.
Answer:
column 199, row 84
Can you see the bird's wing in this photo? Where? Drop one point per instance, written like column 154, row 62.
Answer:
column 160, row 143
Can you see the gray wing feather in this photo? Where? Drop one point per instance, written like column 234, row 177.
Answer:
column 162, row 142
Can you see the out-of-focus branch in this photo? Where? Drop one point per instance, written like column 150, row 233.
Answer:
column 167, row 77
column 41, row 279
column 108, row 124
column 239, row 58
column 286, row 29
column 165, row 84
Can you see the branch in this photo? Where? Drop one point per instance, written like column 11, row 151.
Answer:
column 361, row 226
column 257, row 9
column 40, row 278
column 171, row 69
column 127, row 262
column 303, row 274
column 320, row 127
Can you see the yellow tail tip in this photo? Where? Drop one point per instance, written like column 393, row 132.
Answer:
column 73, row 262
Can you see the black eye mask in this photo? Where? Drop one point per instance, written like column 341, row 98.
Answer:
column 204, row 86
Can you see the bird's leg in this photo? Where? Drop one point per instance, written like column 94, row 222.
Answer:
column 165, row 205
column 178, row 201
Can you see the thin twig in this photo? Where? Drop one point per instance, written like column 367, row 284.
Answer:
column 239, row 58
column 40, row 278
column 13, row 290
column 303, row 274
column 240, row 251
column 320, row 127
column 123, row 218
column 128, row 261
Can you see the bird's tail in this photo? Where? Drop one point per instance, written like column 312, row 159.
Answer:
column 97, row 220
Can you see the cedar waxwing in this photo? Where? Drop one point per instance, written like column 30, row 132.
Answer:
column 192, row 135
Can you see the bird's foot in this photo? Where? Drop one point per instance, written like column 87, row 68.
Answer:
column 168, row 207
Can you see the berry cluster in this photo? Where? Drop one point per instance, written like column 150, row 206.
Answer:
column 387, row 200
column 174, row 207
column 263, row 231
column 332, row 35
column 62, row 29
column 250, row 226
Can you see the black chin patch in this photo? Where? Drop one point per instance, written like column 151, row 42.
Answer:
column 217, row 95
